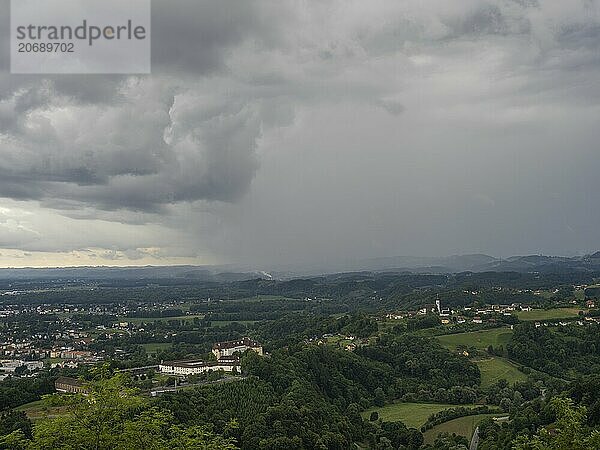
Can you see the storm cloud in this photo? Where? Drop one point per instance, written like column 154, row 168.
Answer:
column 274, row 131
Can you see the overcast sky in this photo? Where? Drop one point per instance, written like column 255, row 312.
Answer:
column 295, row 131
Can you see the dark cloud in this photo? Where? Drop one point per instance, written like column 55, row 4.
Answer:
column 484, row 19
column 332, row 128
column 100, row 139
column 580, row 35
column 119, row 156
column 190, row 36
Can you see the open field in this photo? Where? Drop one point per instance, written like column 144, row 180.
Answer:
column 139, row 320
column 48, row 361
column 31, row 405
column 412, row 414
column 156, row 346
column 463, row 426
column 549, row 314
column 478, row 339
column 495, row 368
column 224, row 323
column 262, row 298
column 38, row 410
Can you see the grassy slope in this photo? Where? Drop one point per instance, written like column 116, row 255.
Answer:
column 37, row 410
column 31, row 405
column 495, row 368
column 463, row 426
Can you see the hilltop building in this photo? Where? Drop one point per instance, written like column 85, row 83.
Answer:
column 195, row 367
column 68, row 385
column 228, row 348
column 226, row 353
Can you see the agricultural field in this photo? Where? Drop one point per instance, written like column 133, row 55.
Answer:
column 549, row 314
column 495, row 368
column 413, row 415
column 463, row 426
column 478, row 339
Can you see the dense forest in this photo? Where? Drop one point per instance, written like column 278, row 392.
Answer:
column 311, row 396
column 560, row 351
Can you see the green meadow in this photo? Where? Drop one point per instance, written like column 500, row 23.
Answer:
column 478, row 339
column 463, row 426
column 413, row 415
column 549, row 314
column 495, row 368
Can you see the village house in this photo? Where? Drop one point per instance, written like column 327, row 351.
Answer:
column 75, row 354
column 394, row 316
column 590, row 303
column 12, row 364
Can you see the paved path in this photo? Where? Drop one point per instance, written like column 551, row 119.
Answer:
column 475, row 440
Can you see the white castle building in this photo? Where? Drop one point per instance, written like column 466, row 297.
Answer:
column 228, row 348
column 225, row 352
column 195, row 367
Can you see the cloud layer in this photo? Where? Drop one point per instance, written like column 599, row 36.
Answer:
column 294, row 131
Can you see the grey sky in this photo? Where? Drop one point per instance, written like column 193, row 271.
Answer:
column 288, row 131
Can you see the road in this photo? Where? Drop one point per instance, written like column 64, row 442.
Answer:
column 164, row 389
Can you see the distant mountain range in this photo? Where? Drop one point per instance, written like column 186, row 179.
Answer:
column 484, row 263
column 447, row 264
